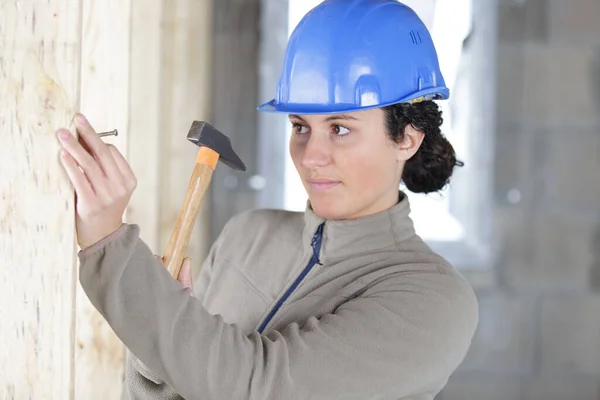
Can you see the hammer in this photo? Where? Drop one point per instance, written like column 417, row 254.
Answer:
column 214, row 146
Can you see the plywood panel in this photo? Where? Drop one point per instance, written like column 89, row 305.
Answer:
column 185, row 88
column 39, row 93
column 144, row 131
column 99, row 354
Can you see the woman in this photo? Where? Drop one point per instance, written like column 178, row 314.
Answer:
column 343, row 301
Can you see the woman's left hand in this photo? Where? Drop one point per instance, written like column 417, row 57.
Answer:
column 103, row 186
column 185, row 274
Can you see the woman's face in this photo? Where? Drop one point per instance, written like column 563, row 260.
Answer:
column 348, row 165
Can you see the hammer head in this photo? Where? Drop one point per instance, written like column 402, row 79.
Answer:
column 204, row 134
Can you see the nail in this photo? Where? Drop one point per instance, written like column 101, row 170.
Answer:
column 64, row 134
column 111, row 133
column 81, row 119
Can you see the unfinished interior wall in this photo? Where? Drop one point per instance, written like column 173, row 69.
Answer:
column 39, row 85
column 185, row 96
column 144, row 131
column 169, row 88
column 140, row 66
column 105, row 53
column 539, row 331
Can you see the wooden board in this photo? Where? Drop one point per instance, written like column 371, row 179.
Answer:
column 185, row 89
column 105, row 52
column 39, row 93
column 144, row 131
column 137, row 66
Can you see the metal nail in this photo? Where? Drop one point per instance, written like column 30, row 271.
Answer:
column 111, row 133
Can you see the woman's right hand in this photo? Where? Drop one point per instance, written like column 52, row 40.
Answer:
column 102, row 178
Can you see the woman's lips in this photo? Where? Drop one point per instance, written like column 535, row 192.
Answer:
column 322, row 184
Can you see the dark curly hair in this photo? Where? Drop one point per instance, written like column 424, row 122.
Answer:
column 430, row 169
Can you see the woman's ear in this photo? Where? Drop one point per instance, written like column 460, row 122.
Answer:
column 410, row 143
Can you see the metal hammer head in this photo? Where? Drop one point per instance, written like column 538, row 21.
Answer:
column 204, row 134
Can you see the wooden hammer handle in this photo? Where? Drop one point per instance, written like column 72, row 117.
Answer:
column 199, row 182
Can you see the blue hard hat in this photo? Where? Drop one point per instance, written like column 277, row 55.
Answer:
column 351, row 55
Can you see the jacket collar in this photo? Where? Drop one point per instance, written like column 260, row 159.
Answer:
column 348, row 238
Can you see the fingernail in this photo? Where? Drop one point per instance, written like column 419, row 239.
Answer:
column 63, row 134
column 81, row 119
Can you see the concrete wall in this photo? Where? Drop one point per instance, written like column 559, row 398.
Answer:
column 539, row 332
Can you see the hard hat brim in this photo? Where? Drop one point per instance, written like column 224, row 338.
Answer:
column 307, row 109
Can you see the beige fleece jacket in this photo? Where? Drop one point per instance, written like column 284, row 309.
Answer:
column 288, row 306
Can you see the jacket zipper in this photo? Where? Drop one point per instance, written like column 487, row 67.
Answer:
column 316, row 246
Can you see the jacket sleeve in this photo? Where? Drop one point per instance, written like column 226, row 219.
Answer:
column 399, row 338
column 140, row 382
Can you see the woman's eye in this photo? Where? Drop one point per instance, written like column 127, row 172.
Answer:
column 340, row 130
column 299, row 129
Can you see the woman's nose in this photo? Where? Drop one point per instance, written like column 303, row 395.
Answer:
column 317, row 152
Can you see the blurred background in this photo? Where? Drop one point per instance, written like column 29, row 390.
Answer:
column 521, row 219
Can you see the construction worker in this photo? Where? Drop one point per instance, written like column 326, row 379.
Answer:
column 342, row 301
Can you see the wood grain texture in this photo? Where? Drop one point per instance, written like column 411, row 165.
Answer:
column 178, row 243
column 185, row 88
column 52, row 54
column 105, row 52
column 144, row 133
column 39, row 93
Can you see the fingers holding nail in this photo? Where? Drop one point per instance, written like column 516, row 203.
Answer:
column 99, row 150
column 64, row 134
